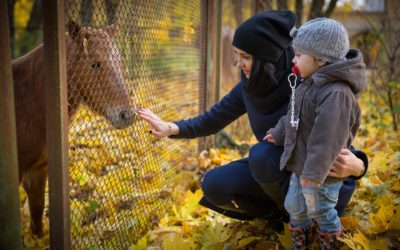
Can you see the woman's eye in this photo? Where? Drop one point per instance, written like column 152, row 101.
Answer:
column 95, row 65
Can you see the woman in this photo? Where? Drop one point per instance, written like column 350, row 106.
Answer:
column 254, row 186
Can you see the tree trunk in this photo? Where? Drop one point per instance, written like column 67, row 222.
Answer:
column 299, row 12
column 331, row 8
column 35, row 19
column 282, row 5
column 238, row 7
column 316, row 9
column 11, row 28
column 263, row 5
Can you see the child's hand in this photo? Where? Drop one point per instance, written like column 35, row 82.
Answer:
column 305, row 182
column 269, row 138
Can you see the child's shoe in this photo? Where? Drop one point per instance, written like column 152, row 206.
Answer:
column 302, row 236
column 329, row 240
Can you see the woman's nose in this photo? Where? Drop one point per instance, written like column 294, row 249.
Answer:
column 239, row 63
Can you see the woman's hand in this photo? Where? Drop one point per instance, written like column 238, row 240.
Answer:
column 304, row 182
column 269, row 138
column 160, row 128
column 346, row 164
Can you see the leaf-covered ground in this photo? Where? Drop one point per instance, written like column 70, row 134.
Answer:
column 372, row 219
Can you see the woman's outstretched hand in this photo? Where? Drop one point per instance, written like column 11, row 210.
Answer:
column 346, row 164
column 160, row 128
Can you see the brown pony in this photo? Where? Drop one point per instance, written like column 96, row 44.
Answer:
column 95, row 78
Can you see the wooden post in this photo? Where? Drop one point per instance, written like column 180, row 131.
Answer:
column 213, row 62
column 10, row 236
column 57, row 123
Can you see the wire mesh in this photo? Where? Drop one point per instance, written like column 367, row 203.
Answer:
column 135, row 53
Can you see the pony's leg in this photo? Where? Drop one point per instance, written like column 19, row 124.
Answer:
column 34, row 184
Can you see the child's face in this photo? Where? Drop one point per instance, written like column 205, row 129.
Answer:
column 244, row 61
column 307, row 65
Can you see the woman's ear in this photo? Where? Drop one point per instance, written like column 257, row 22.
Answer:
column 320, row 63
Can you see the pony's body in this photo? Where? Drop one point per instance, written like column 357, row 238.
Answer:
column 94, row 77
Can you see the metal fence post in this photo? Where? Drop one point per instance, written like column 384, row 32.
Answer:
column 10, row 237
column 57, row 123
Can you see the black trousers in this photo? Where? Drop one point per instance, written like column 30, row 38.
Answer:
column 240, row 189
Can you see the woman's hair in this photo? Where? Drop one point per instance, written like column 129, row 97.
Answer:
column 261, row 73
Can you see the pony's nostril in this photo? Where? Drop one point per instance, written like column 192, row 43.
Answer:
column 123, row 115
column 126, row 115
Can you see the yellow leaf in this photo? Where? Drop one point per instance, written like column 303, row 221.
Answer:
column 245, row 241
column 395, row 185
column 349, row 222
column 177, row 242
column 385, row 200
column 380, row 220
column 213, row 236
column 204, row 160
column 394, row 223
column 286, row 238
column 375, row 180
column 141, row 244
column 359, row 241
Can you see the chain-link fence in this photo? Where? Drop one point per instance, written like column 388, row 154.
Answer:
column 122, row 55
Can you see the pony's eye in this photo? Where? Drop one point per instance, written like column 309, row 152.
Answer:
column 95, row 65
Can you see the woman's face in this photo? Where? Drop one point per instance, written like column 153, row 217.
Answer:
column 307, row 65
column 244, row 61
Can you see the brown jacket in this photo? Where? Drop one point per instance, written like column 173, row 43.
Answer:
column 329, row 118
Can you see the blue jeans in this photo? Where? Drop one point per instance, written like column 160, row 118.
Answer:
column 312, row 202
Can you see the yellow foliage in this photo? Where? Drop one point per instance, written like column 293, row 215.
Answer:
column 204, row 160
column 286, row 238
column 387, row 218
column 141, row 244
column 213, row 236
column 177, row 242
column 22, row 11
column 349, row 222
column 395, row 184
column 359, row 241
column 245, row 241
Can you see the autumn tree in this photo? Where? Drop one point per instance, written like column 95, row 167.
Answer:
column 11, row 28
column 383, row 48
column 319, row 8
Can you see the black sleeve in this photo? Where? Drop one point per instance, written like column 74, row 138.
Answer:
column 216, row 118
column 362, row 156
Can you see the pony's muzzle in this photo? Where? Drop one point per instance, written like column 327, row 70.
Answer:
column 121, row 117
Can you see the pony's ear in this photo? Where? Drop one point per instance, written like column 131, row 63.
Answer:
column 73, row 29
column 111, row 30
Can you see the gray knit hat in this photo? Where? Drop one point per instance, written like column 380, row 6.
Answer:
column 322, row 38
